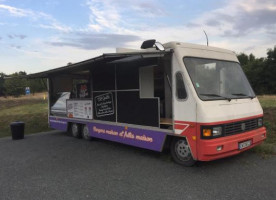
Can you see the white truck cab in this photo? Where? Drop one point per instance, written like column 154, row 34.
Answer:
column 219, row 114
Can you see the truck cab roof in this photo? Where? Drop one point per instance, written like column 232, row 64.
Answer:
column 174, row 45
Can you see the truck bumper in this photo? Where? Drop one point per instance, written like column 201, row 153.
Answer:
column 207, row 149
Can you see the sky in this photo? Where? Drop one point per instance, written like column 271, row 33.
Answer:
column 40, row 35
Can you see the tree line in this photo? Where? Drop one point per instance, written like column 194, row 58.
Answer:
column 261, row 73
column 15, row 85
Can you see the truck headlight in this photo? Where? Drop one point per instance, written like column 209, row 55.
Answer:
column 209, row 132
column 260, row 122
column 217, row 131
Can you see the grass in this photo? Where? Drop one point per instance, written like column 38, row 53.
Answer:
column 268, row 103
column 33, row 110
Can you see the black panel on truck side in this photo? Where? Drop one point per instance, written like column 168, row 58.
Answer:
column 133, row 110
column 127, row 76
column 103, row 78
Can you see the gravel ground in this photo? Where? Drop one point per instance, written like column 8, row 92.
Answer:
column 54, row 166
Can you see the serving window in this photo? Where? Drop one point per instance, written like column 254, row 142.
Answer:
column 132, row 92
column 68, row 86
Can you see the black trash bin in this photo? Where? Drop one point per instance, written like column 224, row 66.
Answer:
column 17, row 130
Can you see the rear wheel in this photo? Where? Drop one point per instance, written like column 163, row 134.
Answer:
column 75, row 130
column 181, row 152
column 85, row 133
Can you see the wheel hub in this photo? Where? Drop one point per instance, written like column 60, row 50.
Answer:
column 182, row 150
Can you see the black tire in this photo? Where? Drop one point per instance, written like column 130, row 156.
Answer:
column 85, row 133
column 181, row 152
column 75, row 130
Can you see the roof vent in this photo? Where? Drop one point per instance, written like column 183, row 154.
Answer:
column 152, row 44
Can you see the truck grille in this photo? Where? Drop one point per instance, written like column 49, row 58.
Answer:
column 241, row 126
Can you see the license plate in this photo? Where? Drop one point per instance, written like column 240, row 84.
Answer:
column 245, row 144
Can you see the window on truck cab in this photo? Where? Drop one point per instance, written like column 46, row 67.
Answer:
column 181, row 93
column 218, row 79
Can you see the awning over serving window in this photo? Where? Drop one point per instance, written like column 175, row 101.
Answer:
column 111, row 58
column 133, row 58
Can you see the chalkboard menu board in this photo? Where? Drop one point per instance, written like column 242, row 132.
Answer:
column 104, row 105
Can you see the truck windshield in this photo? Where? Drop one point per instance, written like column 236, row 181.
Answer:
column 217, row 79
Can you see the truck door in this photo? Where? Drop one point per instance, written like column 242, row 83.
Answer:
column 184, row 105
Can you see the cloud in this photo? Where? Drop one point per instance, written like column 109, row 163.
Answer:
column 213, row 22
column 272, row 32
column 240, row 18
column 18, row 12
column 14, row 36
column 92, row 41
column 103, row 15
column 15, row 11
column 46, row 20
column 56, row 26
column 148, row 9
column 192, row 25
column 15, row 46
column 246, row 22
column 118, row 15
column 21, row 36
column 250, row 48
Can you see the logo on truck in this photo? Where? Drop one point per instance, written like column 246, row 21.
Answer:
column 243, row 126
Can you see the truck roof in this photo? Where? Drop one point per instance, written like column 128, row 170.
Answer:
column 174, row 44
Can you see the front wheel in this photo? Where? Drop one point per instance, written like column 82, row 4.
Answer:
column 181, row 152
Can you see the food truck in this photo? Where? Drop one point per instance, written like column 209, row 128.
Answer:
column 193, row 99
